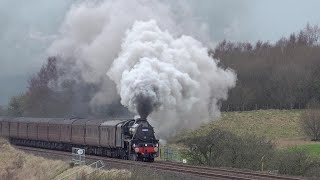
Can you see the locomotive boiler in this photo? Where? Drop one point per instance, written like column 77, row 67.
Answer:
column 129, row 138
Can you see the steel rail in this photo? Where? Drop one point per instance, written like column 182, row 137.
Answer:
column 273, row 176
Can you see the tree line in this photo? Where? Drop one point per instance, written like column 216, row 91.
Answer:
column 50, row 95
column 281, row 75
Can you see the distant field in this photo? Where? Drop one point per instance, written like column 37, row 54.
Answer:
column 311, row 149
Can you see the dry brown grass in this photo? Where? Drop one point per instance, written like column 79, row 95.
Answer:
column 16, row 165
column 84, row 172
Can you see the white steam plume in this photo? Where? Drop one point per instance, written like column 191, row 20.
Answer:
column 92, row 31
column 174, row 77
column 182, row 80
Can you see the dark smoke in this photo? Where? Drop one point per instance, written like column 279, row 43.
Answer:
column 145, row 105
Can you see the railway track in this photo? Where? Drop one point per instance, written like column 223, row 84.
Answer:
column 249, row 174
column 205, row 172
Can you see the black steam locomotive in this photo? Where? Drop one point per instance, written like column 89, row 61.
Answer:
column 132, row 139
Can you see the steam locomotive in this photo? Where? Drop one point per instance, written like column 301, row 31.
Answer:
column 132, row 139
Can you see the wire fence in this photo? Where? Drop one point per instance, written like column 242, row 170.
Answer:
column 170, row 154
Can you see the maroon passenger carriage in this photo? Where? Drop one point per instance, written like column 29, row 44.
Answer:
column 120, row 138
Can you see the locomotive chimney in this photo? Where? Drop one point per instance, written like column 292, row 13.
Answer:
column 140, row 119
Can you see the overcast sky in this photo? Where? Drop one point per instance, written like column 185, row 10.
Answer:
column 28, row 27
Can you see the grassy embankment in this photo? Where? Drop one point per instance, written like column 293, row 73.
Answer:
column 18, row 165
column 313, row 149
column 281, row 126
column 273, row 124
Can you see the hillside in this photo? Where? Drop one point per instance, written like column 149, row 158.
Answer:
column 273, row 124
column 281, row 126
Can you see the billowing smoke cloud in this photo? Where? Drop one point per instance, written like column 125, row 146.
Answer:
column 92, row 32
column 157, row 72
column 29, row 27
column 154, row 70
column 150, row 66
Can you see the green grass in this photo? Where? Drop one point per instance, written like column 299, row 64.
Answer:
column 273, row 124
column 311, row 149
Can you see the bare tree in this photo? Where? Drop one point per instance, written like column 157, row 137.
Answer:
column 17, row 106
column 310, row 120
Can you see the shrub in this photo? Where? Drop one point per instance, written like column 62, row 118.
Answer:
column 222, row 148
